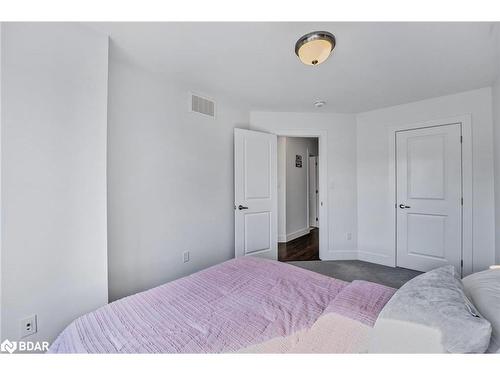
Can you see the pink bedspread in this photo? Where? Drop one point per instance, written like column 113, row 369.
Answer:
column 224, row 308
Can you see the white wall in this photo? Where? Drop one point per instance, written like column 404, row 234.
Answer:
column 170, row 180
column 376, row 207
column 496, row 140
column 341, row 142
column 53, row 173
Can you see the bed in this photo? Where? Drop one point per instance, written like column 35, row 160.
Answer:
column 246, row 305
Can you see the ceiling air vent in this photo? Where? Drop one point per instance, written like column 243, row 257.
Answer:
column 202, row 105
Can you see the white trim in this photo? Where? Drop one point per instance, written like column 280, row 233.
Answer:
column 297, row 234
column 466, row 122
column 467, row 194
column 314, row 223
column 341, row 255
column 376, row 258
column 306, row 161
column 281, row 238
column 366, row 256
column 322, row 136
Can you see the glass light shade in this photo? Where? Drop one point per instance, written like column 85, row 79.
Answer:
column 315, row 47
column 315, row 51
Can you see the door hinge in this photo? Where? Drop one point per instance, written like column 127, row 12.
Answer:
column 461, row 139
column 462, row 201
column 316, row 191
column 462, row 263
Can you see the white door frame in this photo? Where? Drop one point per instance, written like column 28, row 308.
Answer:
column 466, row 122
column 322, row 136
column 315, row 200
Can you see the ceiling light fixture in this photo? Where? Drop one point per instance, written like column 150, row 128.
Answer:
column 315, row 47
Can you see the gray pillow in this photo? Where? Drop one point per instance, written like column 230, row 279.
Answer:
column 435, row 302
column 483, row 288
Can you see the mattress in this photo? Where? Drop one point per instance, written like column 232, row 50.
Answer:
column 243, row 305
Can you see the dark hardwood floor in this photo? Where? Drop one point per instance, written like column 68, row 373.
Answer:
column 302, row 248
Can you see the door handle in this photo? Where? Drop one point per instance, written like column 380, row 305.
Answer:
column 403, row 206
column 240, row 207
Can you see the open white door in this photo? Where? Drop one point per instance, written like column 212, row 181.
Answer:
column 429, row 194
column 255, row 194
column 313, row 192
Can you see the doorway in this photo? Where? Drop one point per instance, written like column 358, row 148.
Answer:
column 298, row 198
column 256, row 190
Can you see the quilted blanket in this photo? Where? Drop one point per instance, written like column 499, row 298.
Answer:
column 245, row 304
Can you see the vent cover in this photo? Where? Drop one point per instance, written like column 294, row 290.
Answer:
column 202, row 105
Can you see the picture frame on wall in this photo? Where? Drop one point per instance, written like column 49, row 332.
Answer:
column 298, row 161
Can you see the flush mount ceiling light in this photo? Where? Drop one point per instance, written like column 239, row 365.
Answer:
column 315, row 47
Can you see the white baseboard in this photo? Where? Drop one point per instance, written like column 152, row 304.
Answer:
column 340, row 255
column 281, row 237
column 365, row 256
column 297, row 234
column 368, row 256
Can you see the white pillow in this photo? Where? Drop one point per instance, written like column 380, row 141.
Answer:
column 483, row 289
column 430, row 314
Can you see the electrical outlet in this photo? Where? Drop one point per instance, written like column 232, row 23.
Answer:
column 185, row 256
column 28, row 326
column 349, row 236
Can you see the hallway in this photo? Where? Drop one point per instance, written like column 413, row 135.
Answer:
column 302, row 248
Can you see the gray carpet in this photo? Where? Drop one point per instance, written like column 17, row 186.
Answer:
column 349, row 270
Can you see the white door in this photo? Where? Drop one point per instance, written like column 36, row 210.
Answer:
column 313, row 191
column 429, row 195
column 255, row 194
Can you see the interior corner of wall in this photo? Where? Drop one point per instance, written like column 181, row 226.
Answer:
column 1, row 50
column 332, row 254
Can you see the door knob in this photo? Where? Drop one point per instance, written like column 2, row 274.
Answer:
column 403, row 206
column 240, row 207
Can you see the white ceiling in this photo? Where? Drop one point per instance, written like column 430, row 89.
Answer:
column 374, row 65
